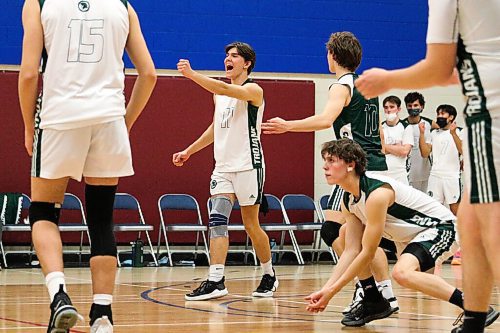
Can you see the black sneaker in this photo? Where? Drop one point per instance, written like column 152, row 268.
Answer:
column 366, row 311
column 208, row 290
column 491, row 316
column 63, row 314
column 356, row 298
column 268, row 285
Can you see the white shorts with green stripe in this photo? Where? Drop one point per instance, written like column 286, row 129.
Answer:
column 248, row 186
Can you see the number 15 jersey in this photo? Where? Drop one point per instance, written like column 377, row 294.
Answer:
column 83, row 78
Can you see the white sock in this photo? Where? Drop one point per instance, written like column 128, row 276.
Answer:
column 267, row 268
column 103, row 299
column 386, row 288
column 216, row 272
column 53, row 282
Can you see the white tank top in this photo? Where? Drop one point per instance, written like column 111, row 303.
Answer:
column 237, row 145
column 84, row 76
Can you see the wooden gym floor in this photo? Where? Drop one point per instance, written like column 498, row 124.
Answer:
column 151, row 300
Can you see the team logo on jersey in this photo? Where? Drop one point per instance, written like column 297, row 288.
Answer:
column 430, row 193
column 213, row 184
column 84, row 6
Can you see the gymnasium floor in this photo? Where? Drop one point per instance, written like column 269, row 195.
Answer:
column 151, row 300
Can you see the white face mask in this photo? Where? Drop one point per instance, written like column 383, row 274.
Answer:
column 391, row 116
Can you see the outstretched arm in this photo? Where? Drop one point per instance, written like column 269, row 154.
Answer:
column 338, row 97
column 29, row 72
column 436, row 69
column 146, row 79
column 204, row 140
column 251, row 92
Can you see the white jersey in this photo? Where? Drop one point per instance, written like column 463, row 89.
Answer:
column 445, row 155
column 411, row 213
column 399, row 134
column 418, row 167
column 83, row 80
column 237, row 127
column 474, row 25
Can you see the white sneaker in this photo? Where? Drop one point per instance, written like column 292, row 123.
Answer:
column 102, row 325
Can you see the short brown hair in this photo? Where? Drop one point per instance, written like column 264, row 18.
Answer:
column 348, row 151
column 244, row 50
column 392, row 99
column 345, row 49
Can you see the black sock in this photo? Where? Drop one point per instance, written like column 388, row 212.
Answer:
column 370, row 289
column 98, row 310
column 457, row 298
column 474, row 321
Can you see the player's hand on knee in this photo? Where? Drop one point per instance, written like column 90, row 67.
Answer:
column 179, row 158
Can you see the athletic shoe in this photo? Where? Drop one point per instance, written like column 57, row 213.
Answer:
column 102, row 325
column 63, row 314
column 356, row 298
column 457, row 258
column 366, row 311
column 208, row 290
column 267, row 286
column 392, row 300
column 491, row 316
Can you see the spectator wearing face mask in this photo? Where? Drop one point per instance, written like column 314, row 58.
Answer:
column 418, row 167
column 444, row 145
column 398, row 140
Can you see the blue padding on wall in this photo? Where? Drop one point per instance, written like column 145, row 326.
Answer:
column 288, row 36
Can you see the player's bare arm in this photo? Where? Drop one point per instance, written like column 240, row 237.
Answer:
column 456, row 138
column 250, row 92
column 338, row 97
column 436, row 69
column 207, row 138
column 398, row 149
column 29, row 71
column 425, row 148
column 141, row 58
column 318, row 301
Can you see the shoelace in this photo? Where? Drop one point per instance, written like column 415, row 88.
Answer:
column 202, row 286
column 459, row 320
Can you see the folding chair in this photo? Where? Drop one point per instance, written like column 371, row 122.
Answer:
column 174, row 204
column 274, row 205
column 301, row 203
column 127, row 202
column 233, row 226
column 323, row 204
column 70, row 204
column 18, row 227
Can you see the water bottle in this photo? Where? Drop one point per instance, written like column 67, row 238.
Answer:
column 137, row 250
column 274, row 255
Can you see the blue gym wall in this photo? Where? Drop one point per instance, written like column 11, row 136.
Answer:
column 288, row 36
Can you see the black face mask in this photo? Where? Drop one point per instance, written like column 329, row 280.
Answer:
column 442, row 122
column 414, row 112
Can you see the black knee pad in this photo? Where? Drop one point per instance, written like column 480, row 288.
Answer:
column 44, row 211
column 330, row 231
column 99, row 202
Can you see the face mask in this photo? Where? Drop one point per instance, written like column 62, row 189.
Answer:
column 391, row 116
column 442, row 122
column 414, row 112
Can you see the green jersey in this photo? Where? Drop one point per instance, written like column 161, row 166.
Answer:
column 359, row 121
